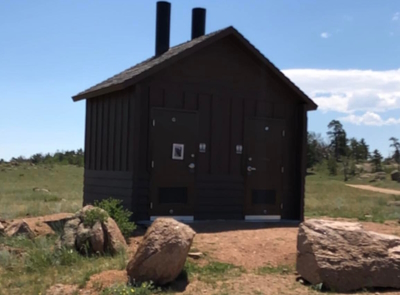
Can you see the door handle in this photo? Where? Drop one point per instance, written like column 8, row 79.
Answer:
column 192, row 165
column 249, row 168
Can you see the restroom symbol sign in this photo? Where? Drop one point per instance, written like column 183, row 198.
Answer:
column 178, row 150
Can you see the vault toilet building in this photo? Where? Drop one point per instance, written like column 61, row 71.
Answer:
column 208, row 129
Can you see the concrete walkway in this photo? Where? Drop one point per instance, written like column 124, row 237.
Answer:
column 375, row 189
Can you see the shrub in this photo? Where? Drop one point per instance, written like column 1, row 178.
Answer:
column 117, row 212
column 94, row 215
column 135, row 289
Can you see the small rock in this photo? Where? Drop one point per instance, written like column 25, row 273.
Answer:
column 395, row 175
column 195, row 255
column 393, row 203
column 42, row 190
column 1, row 229
column 19, row 227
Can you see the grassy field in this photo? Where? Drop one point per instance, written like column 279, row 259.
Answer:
column 17, row 198
column 41, row 267
column 329, row 196
column 325, row 195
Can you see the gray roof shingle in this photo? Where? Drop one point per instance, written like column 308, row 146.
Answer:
column 147, row 64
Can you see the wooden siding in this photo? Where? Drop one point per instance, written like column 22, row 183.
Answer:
column 105, row 184
column 108, row 125
column 224, row 85
column 224, row 93
column 109, row 147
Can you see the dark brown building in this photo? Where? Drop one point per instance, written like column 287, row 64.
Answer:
column 208, row 129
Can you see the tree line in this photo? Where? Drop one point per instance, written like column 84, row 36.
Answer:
column 71, row 157
column 341, row 150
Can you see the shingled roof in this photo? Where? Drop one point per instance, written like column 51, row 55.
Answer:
column 156, row 63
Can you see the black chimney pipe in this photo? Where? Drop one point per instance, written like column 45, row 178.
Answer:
column 162, row 27
column 198, row 22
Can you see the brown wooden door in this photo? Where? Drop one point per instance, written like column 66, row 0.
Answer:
column 173, row 162
column 263, row 166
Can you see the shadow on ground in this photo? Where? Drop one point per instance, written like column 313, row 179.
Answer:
column 224, row 226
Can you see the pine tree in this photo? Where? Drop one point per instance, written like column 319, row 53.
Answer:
column 364, row 150
column 338, row 139
column 377, row 160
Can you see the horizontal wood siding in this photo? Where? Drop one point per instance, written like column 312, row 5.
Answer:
column 219, row 198
column 101, row 185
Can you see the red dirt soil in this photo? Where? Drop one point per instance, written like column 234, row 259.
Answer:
column 250, row 245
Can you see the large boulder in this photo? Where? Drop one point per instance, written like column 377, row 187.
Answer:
column 162, row 253
column 100, row 237
column 395, row 175
column 344, row 257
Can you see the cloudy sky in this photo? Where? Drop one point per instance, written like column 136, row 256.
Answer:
column 344, row 54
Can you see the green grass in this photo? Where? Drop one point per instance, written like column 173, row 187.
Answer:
column 213, row 271
column 17, row 198
column 329, row 196
column 276, row 270
column 41, row 265
column 142, row 289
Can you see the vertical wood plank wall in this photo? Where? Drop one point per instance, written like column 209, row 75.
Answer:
column 109, row 147
column 223, row 93
column 224, row 85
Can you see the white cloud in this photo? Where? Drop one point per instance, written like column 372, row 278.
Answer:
column 396, row 16
column 325, row 35
column 351, row 91
column 370, row 119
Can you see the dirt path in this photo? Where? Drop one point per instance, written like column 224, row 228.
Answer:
column 375, row 189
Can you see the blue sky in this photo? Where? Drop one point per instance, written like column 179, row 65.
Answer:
column 343, row 54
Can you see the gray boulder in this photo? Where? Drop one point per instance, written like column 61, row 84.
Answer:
column 344, row 257
column 100, row 237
